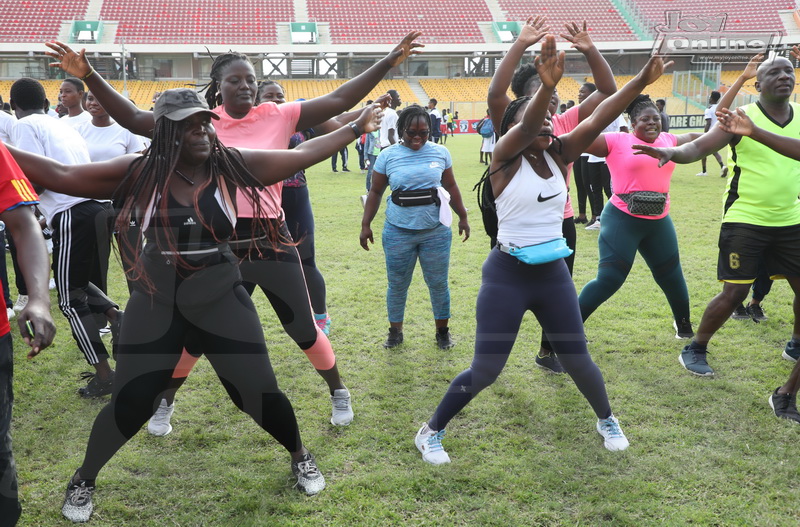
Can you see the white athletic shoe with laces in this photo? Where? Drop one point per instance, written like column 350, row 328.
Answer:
column 78, row 505
column 342, row 412
column 309, row 478
column 159, row 424
column 429, row 443
column 613, row 437
column 22, row 301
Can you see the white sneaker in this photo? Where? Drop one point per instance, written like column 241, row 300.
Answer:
column 52, row 284
column 594, row 226
column 309, row 478
column 10, row 313
column 159, row 423
column 614, row 438
column 22, row 301
column 105, row 331
column 701, row 174
column 430, row 444
column 342, row 413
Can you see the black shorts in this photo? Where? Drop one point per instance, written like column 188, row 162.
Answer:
column 741, row 245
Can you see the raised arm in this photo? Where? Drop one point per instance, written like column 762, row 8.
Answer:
column 601, row 71
column 497, row 98
column 35, row 266
column 118, row 107
column 740, row 124
column 749, row 72
column 346, row 96
column 92, row 180
column 272, row 166
column 550, row 64
column 346, row 118
column 580, row 139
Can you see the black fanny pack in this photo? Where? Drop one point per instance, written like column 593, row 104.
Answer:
column 645, row 202
column 415, row 198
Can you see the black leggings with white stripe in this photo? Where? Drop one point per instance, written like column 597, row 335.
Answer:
column 81, row 247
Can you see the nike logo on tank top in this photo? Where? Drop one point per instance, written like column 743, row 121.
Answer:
column 530, row 209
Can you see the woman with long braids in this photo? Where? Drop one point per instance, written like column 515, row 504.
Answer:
column 188, row 286
column 232, row 94
column 525, row 271
column 420, row 175
column 636, row 218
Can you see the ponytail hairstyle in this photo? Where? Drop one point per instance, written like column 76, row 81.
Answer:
column 639, row 104
column 408, row 114
column 213, row 96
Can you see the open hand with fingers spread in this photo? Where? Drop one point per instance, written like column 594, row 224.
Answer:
column 735, row 122
column 664, row 155
column 72, row 63
column 752, row 67
column 550, row 63
column 654, row 69
column 533, row 31
column 406, row 48
column 578, row 36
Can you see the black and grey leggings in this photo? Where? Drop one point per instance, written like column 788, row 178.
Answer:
column 509, row 289
column 227, row 330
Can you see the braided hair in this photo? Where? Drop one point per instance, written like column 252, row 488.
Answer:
column 213, row 96
column 523, row 79
column 408, row 114
column 639, row 104
column 148, row 178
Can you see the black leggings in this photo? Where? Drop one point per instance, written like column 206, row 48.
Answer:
column 300, row 222
column 581, row 179
column 568, row 230
column 598, row 180
column 227, row 330
column 509, row 289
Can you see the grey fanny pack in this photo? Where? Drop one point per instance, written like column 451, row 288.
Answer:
column 645, row 202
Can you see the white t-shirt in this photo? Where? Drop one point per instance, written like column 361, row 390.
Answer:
column 78, row 119
column 389, row 122
column 711, row 113
column 108, row 142
column 613, row 127
column 40, row 134
column 6, row 125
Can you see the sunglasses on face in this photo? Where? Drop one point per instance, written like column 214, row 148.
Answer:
column 417, row 133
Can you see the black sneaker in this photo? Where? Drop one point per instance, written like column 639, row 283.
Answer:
column 740, row 313
column 549, row 363
column 95, row 387
column 78, row 505
column 309, row 478
column 755, row 312
column 443, row 339
column 683, row 329
column 784, row 405
column 394, row 339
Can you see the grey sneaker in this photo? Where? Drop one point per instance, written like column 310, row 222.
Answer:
column 683, row 329
column 309, row 478
column 784, row 405
column 695, row 361
column 159, row 424
column 78, row 505
column 342, row 413
column 549, row 363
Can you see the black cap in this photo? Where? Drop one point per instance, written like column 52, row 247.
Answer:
column 180, row 103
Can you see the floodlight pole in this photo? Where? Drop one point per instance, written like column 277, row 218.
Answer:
column 124, row 70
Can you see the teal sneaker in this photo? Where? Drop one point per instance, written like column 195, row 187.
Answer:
column 695, row 361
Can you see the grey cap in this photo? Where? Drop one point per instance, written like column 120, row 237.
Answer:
column 180, row 103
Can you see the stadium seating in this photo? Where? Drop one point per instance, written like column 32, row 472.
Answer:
column 762, row 15
column 603, row 20
column 37, row 20
column 308, row 89
column 192, row 22
column 371, row 21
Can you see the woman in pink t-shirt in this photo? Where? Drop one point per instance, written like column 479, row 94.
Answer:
column 636, row 218
column 271, row 263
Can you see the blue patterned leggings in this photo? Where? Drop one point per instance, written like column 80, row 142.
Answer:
column 402, row 248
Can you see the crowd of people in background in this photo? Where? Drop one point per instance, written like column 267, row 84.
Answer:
column 209, row 193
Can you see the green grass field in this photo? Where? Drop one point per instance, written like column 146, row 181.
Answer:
column 525, row 452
